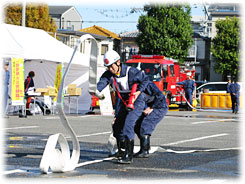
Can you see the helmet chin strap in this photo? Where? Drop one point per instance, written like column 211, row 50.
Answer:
column 118, row 65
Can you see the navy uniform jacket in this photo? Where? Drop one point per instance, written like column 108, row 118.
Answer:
column 235, row 88
column 134, row 76
column 228, row 87
column 189, row 85
column 153, row 97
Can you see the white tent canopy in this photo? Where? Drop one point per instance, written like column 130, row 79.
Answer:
column 33, row 44
column 42, row 53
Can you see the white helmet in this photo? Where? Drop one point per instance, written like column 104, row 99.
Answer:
column 110, row 57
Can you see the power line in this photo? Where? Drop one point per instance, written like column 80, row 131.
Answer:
column 99, row 21
column 104, row 21
column 117, row 13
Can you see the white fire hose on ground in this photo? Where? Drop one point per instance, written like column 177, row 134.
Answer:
column 59, row 160
column 204, row 110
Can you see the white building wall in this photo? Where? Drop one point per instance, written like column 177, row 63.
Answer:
column 100, row 56
column 74, row 18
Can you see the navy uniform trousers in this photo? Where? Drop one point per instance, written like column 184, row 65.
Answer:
column 125, row 121
column 235, row 99
column 188, row 95
column 145, row 125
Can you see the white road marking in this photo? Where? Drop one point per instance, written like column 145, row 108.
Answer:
column 24, row 127
column 195, row 139
column 14, row 171
column 70, row 117
column 86, row 116
column 162, row 170
column 212, row 121
column 88, row 135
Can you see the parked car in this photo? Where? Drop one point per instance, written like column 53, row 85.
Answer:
column 211, row 87
column 199, row 83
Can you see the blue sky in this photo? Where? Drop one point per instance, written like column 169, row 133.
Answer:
column 117, row 16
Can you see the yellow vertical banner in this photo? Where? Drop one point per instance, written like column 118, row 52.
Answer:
column 18, row 90
column 58, row 77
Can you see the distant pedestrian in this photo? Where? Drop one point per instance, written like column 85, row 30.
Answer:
column 6, row 87
column 234, row 90
column 29, row 85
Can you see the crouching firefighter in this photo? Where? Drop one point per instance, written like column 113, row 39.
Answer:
column 123, row 78
column 156, row 109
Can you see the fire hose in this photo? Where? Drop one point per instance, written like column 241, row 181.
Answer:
column 204, row 110
column 59, row 160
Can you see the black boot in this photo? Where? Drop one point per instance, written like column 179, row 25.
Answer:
column 21, row 114
column 129, row 151
column 144, row 147
column 120, row 152
column 28, row 112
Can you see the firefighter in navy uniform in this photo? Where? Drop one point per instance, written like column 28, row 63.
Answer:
column 156, row 109
column 124, row 77
column 189, row 87
column 234, row 90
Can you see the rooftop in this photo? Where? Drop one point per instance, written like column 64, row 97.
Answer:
column 224, row 7
column 58, row 10
column 132, row 34
column 79, row 33
column 100, row 31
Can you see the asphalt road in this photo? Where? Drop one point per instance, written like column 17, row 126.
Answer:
column 187, row 145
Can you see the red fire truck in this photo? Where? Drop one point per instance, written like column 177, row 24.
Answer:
column 165, row 73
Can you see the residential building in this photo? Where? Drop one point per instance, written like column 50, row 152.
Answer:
column 70, row 38
column 112, row 41
column 66, row 17
column 128, row 45
column 199, row 53
column 221, row 11
column 216, row 12
column 199, row 56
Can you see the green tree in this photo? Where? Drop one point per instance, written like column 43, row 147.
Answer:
column 165, row 30
column 225, row 46
column 37, row 16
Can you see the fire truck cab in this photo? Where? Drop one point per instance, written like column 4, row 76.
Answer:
column 165, row 73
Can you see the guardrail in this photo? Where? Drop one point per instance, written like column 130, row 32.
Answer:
column 217, row 101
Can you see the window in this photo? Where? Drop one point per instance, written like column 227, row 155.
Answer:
column 171, row 70
column 211, row 87
column 220, row 87
column 82, row 47
column 104, row 49
column 69, row 25
column 165, row 70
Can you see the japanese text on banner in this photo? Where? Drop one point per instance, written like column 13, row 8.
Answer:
column 17, row 81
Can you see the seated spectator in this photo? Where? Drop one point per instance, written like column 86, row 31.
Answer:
column 30, row 87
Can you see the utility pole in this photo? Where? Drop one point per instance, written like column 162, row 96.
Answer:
column 23, row 23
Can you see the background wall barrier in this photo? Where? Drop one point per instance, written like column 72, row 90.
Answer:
column 217, row 101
